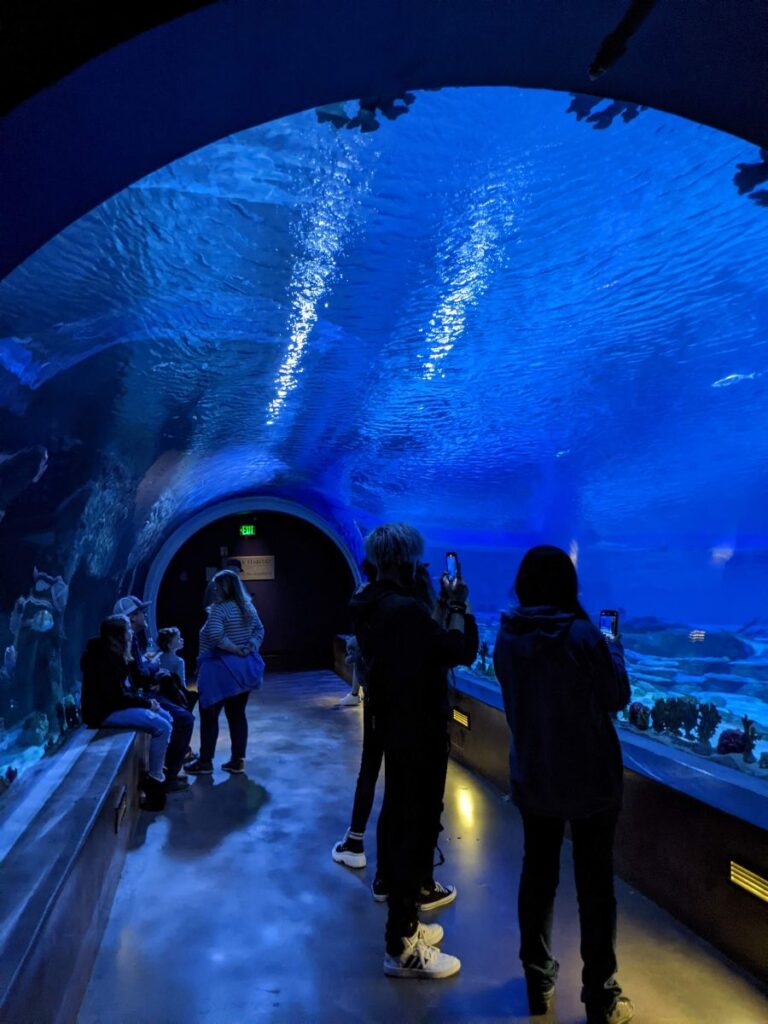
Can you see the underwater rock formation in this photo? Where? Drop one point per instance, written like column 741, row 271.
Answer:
column 639, row 715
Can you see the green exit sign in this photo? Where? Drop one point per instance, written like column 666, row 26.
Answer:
column 247, row 530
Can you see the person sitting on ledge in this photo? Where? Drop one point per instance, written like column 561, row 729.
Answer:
column 109, row 702
column 170, row 642
column 148, row 676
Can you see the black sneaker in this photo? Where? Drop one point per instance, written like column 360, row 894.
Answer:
column 236, row 766
column 436, row 895
column 151, row 794
column 380, row 890
column 349, row 852
column 540, row 995
column 176, row 784
column 199, row 767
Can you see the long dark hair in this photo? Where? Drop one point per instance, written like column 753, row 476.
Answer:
column 547, row 576
column 114, row 631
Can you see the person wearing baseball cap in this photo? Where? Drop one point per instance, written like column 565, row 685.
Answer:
column 129, row 605
column 144, row 675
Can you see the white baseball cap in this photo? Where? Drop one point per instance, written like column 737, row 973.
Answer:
column 129, row 605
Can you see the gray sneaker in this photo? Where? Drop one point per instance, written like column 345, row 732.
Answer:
column 622, row 1012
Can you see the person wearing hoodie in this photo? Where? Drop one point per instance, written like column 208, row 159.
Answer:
column 408, row 655
column 108, row 701
column 561, row 681
column 350, row 851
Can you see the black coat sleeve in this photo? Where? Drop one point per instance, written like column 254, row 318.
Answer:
column 610, row 675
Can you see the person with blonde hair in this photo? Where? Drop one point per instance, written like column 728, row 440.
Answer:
column 408, row 654
column 229, row 667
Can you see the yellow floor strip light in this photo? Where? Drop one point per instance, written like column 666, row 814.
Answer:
column 748, row 880
column 461, row 717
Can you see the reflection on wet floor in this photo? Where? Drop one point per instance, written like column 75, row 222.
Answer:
column 231, row 910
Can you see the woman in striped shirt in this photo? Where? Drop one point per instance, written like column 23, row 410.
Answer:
column 229, row 667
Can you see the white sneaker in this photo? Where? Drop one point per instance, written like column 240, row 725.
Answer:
column 432, row 934
column 350, row 858
column 418, row 960
column 350, row 701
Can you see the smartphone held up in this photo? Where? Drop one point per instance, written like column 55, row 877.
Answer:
column 608, row 623
column 452, row 565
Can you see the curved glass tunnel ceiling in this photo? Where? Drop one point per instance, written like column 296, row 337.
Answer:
column 488, row 316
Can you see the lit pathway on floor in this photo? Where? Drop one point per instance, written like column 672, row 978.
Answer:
column 231, row 911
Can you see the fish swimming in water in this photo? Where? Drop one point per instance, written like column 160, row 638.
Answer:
column 734, row 378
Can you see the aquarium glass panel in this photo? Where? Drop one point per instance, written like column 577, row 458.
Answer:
column 508, row 316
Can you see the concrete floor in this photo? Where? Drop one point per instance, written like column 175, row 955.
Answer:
column 230, row 909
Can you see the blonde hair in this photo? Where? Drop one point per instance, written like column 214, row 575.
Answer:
column 394, row 544
column 229, row 587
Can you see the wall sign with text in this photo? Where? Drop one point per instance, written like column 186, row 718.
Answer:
column 257, row 567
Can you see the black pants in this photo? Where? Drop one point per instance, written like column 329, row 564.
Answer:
column 409, row 824
column 181, row 734
column 234, row 709
column 593, row 871
column 370, row 766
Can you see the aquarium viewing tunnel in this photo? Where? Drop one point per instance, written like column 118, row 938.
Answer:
column 273, row 276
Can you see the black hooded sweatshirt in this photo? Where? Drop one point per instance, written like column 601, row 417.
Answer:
column 408, row 656
column 105, row 684
column 561, row 681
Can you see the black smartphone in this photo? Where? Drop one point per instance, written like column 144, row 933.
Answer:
column 608, row 623
column 452, row 564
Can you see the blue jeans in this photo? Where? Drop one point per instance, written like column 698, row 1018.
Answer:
column 157, row 723
column 183, row 723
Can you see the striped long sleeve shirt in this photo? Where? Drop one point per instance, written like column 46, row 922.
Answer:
column 226, row 620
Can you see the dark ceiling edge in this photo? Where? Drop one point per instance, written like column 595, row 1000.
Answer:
column 231, row 65
column 42, row 41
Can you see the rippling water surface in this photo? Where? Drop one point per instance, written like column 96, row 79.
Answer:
column 486, row 316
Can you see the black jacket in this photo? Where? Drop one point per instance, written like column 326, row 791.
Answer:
column 105, row 684
column 408, row 656
column 560, row 682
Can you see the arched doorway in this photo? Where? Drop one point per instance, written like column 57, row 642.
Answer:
column 298, row 576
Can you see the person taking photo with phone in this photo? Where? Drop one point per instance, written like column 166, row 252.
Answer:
column 408, row 655
column 561, row 680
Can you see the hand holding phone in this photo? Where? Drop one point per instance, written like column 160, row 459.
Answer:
column 608, row 623
column 452, row 566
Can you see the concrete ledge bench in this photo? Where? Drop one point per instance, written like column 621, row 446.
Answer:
column 64, row 831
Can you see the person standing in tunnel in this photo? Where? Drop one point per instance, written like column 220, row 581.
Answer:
column 229, row 667
column 561, row 680
column 146, row 676
column 408, row 655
